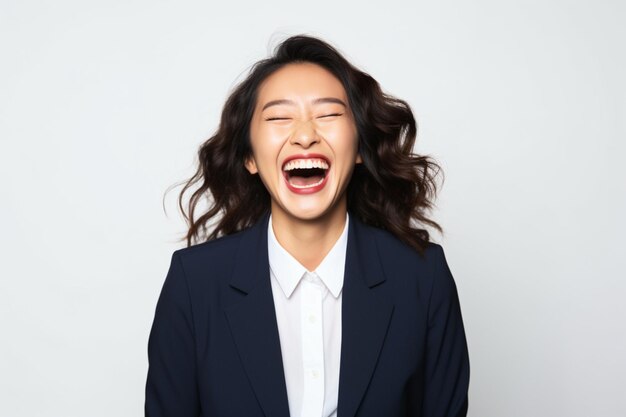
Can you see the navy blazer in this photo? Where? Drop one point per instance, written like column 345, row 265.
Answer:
column 214, row 348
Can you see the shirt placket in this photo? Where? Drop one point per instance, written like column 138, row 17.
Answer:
column 312, row 346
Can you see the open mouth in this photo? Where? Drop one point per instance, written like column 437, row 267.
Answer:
column 305, row 173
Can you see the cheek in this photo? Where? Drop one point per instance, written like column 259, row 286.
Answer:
column 344, row 129
column 266, row 146
column 343, row 139
column 273, row 135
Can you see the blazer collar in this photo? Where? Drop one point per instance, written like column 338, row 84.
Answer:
column 288, row 271
column 366, row 312
column 252, row 254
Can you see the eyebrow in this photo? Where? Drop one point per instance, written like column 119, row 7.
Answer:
column 316, row 101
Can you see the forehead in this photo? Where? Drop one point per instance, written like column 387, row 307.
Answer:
column 300, row 80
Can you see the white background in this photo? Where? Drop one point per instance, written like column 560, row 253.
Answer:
column 104, row 104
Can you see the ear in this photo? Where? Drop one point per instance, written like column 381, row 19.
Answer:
column 251, row 165
column 359, row 160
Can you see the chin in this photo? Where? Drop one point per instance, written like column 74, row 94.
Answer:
column 307, row 212
column 307, row 207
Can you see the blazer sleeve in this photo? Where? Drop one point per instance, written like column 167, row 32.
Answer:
column 446, row 378
column 171, row 387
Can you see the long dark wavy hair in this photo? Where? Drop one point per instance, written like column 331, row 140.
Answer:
column 393, row 189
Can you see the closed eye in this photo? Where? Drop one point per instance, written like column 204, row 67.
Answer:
column 330, row 115
column 277, row 118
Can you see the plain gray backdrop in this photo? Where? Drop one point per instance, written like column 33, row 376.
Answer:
column 103, row 105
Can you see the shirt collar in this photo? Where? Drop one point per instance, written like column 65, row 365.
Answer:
column 288, row 271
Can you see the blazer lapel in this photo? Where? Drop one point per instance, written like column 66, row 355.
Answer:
column 253, row 323
column 366, row 314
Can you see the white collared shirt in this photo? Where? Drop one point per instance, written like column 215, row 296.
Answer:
column 308, row 313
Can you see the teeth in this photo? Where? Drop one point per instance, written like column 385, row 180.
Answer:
column 305, row 164
column 308, row 186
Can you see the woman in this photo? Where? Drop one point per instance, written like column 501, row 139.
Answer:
column 317, row 292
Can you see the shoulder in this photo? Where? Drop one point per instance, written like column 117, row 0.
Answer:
column 404, row 265
column 389, row 246
column 216, row 254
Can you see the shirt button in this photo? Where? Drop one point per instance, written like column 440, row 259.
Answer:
column 315, row 374
column 312, row 318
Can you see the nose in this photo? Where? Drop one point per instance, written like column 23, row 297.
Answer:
column 304, row 134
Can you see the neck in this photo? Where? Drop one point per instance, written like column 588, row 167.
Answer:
column 308, row 241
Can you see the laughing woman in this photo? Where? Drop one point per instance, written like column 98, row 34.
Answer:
column 313, row 289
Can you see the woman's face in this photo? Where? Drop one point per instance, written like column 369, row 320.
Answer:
column 304, row 141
